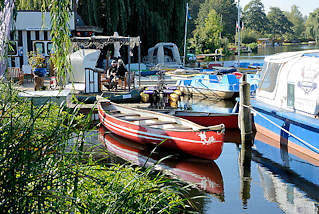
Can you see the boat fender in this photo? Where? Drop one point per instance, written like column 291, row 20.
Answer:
column 145, row 97
column 173, row 97
column 178, row 92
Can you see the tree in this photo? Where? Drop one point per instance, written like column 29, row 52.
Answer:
column 227, row 11
column 194, row 6
column 144, row 18
column 296, row 18
column 254, row 16
column 312, row 25
column 278, row 22
column 207, row 33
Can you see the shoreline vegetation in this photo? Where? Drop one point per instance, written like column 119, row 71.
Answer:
column 41, row 171
column 44, row 168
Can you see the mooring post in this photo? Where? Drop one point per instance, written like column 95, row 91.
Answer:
column 245, row 120
column 244, row 161
column 246, row 131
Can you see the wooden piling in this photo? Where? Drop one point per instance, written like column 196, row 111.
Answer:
column 244, row 162
column 245, row 119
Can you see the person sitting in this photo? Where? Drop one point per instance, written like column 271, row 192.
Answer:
column 121, row 72
column 111, row 76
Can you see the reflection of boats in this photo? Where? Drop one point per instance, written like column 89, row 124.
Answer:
column 286, row 177
column 152, row 127
column 286, row 104
column 205, row 175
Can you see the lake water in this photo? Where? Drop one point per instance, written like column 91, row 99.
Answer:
column 270, row 180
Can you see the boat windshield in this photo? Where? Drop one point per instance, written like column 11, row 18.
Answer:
column 269, row 76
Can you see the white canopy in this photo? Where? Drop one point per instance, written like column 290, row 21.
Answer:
column 81, row 59
column 164, row 54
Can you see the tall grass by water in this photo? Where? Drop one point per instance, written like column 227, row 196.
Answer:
column 42, row 171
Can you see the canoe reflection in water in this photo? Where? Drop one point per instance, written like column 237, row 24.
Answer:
column 204, row 174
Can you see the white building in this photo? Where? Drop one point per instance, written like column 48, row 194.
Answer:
column 31, row 32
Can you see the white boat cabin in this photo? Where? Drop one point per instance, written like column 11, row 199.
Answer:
column 165, row 54
column 291, row 81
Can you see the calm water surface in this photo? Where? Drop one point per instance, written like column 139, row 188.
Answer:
column 268, row 180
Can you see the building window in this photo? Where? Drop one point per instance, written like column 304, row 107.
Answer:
column 49, row 47
column 39, row 47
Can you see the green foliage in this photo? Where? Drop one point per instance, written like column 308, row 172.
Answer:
column 1, row 4
column 312, row 25
column 36, row 60
column 254, row 16
column 278, row 22
column 44, row 170
column 207, row 34
column 35, row 173
column 226, row 9
column 60, row 33
column 296, row 18
column 194, row 6
column 250, row 36
column 253, row 46
column 31, row 4
column 123, row 189
column 153, row 21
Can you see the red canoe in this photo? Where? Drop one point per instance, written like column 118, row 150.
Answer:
column 205, row 175
column 145, row 127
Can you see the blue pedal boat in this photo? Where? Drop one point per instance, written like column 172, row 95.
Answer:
column 219, row 87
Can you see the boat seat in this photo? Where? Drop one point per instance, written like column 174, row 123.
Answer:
column 180, row 128
column 141, row 118
column 125, row 115
column 161, row 123
column 114, row 111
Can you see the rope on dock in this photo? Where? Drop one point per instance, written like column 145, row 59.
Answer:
column 273, row 123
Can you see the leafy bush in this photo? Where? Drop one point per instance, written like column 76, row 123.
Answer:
column 249, row 37
column 43, row 168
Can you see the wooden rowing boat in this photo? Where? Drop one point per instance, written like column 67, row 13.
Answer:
column 156, row 128
column 205, row 174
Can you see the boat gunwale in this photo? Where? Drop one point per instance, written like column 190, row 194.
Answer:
column 192, row 125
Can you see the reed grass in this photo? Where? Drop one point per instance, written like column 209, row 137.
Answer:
column 41, row 171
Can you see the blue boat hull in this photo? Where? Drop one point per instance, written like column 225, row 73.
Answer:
column 302, row 131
